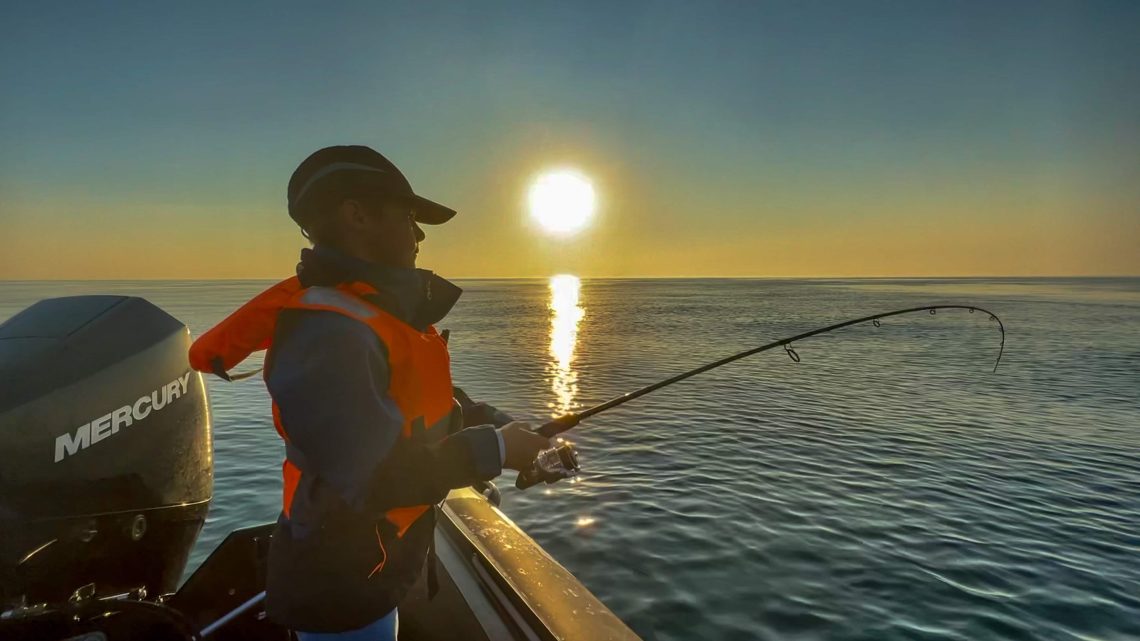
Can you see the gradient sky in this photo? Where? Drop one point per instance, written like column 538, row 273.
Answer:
column 155, row 139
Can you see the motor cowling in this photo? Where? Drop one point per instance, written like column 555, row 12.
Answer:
column 106, row 467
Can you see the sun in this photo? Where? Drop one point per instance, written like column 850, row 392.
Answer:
column 562, row 201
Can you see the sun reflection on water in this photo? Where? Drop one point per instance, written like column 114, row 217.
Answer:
column 566, row 314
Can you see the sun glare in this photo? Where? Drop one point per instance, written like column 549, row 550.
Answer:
column 562, row 201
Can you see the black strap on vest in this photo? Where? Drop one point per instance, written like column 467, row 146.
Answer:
column 217, row 366
column 219, row 369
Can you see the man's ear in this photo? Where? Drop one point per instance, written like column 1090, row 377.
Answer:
column 352, row 214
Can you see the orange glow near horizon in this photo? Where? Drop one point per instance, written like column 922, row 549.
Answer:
column 649, row 230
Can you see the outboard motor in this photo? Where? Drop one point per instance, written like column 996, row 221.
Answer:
column 106, row 468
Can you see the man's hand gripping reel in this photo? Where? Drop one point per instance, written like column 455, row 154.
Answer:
column 557, row 463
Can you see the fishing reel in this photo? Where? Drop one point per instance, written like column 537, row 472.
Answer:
column 550, row 466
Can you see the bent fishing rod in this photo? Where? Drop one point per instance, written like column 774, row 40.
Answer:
column 561, row 461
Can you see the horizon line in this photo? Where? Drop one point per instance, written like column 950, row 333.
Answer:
column 735, row 277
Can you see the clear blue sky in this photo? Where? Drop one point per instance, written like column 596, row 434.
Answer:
column 154, row 139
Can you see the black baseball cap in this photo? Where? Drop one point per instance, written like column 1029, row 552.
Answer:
column 349, row 168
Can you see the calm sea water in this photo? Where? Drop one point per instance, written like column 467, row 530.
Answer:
column 889, row 486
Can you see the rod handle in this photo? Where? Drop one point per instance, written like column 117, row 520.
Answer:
column 558, row 425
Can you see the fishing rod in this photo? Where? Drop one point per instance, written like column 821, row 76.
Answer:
column 561, row 461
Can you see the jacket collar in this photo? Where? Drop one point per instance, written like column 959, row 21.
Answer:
column 416, row 296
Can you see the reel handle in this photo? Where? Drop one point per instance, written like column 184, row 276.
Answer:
column 527, row 478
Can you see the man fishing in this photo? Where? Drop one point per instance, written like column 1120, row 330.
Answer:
column 362, row 395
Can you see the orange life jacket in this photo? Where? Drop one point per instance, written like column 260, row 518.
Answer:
column 420, row 380
column 348, row 569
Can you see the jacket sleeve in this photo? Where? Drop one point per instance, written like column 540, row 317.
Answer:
column 329, row 377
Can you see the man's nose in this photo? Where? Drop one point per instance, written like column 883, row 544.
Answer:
column 420, row 235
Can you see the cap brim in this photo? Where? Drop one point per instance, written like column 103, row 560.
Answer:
column 431, row 213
